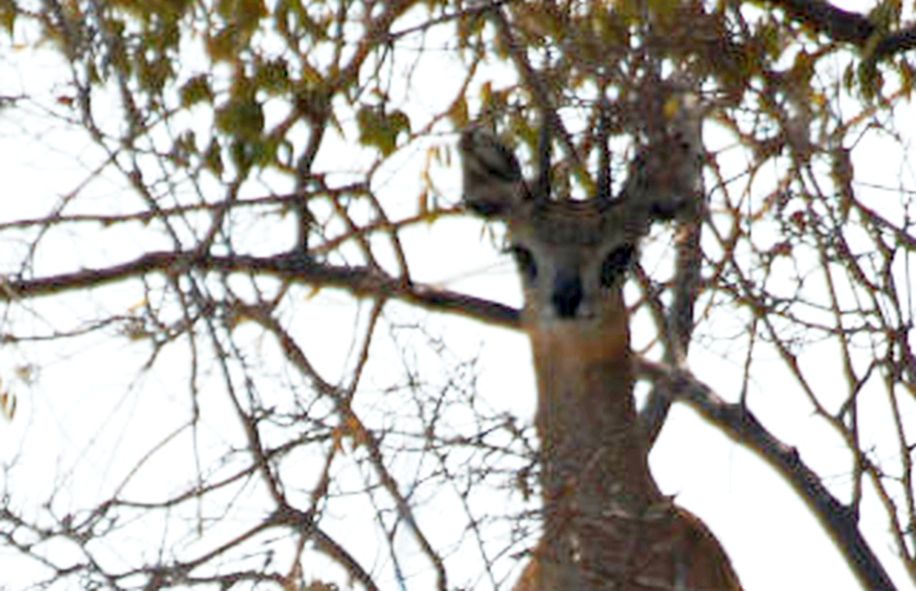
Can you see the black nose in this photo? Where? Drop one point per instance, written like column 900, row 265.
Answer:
column 567, row 295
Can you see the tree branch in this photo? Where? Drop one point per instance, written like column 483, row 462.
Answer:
column 742, row 426
column 823, row 17
column 534, row 84
column 898, row 42
column 847, row 27
column 359, row 281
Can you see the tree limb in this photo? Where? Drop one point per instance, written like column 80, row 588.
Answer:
column 823, row 17
column 847, row 27
column 742, row 426
column 359, row 281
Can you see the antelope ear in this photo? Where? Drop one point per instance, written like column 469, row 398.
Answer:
column 492, row 177
column 664, row 180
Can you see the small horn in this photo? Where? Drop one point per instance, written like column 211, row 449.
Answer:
column 603, row 189
column 542, row 181
column 664, row 180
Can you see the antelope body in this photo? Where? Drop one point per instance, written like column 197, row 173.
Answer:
column 606, row 525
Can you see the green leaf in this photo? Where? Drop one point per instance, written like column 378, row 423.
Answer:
column 380, row 129
column 273, row 76
column 8, row 12
column 154, row 74
column 213, row 158
column 222, row 46
column 196, row 90
column 241, row 118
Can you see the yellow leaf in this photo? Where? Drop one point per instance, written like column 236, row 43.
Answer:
column 138, row 306
column 356, row 431
column 26, row 372
column 423, row 202
column 8, row 405
column 337, row 435
column 458, row 112
column 313, row 292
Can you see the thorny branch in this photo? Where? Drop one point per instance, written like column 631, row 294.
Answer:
column 360, row 281
column 297, row 437
column 741, row 425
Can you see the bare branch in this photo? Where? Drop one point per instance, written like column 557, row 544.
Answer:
column 360, row 281
column 741, row 425
column 848, row 27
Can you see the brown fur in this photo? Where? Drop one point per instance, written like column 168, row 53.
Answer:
column 606, row 525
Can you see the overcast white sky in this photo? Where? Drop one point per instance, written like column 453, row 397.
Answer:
column 86, row 398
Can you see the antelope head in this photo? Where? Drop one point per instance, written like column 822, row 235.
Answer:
column 573, row 255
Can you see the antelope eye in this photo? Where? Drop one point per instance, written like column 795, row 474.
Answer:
column 616, row 264
column 525, row 261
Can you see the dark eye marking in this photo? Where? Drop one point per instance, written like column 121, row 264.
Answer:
column 616, row 264
column 524, row 258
